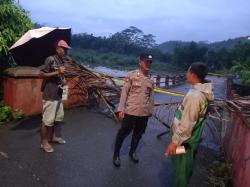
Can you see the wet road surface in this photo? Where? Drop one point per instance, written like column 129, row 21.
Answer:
column 86, row 159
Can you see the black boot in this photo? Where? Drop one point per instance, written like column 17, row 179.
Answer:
column 133, row 157
column 116, row 160
column 132, row 152
column 118, row 144
column 116, row 157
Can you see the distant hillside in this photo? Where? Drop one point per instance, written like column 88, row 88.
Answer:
column 169, row 46
column 228, row 44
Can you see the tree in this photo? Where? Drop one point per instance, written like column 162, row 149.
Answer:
column 135, row 36
column 14, row 22
column 184, row 56
column 212, row 60
column 130, row 41
column 148, row 41
column 241, row 67
column 132, row 34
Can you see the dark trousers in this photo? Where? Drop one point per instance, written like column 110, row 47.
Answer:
column 137, row 124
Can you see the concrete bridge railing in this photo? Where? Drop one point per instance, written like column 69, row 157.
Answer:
column 167, row 81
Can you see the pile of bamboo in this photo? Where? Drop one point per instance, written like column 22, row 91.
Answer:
column 243, row 104
column 88, row 85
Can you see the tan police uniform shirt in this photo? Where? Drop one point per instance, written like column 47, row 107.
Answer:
column 137, row 97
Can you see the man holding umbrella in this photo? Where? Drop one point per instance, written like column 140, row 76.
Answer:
column 54, row 80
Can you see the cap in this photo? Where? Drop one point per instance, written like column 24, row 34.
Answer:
column 146, row 56
column 64, row 44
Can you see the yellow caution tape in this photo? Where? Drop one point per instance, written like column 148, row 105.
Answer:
column 157, row 89
column 118, row 81
column 169, row 92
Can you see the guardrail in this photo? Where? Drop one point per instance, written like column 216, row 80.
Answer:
column 167, row 81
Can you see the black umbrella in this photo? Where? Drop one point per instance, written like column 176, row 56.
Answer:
column 37, row 44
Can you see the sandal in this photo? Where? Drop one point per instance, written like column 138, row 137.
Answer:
column 58, row 140
column 48, row 148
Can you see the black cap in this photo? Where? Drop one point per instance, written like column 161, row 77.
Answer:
column 146, row 56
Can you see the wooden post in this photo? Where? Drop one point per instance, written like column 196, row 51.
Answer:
column 158, row 79
column 174, row 80
column 166, row 81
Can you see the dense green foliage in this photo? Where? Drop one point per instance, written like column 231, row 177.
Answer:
column 231, row 56
column 220, row 56
column 186, row 55
column 216, row 60
column 169, row 46
column 236, row 59
column 116, row 61
column 131, row 41
column 14, row 22
column 232, row 60
column 7, row 114
column 241, row 62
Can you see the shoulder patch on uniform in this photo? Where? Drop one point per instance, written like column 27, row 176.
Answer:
column 131, row 74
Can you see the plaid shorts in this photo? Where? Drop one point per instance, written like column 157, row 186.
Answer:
column 52, row 111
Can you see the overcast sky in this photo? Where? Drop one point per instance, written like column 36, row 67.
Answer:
column 198, row 20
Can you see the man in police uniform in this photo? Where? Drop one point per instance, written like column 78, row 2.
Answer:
column 135, row 107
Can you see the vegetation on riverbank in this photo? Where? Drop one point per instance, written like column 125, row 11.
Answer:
column 117, row 61
column 121, row 51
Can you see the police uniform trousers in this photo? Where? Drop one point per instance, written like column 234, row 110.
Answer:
column 137, row 124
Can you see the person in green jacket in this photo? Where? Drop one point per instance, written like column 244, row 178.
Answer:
column 188, row 123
